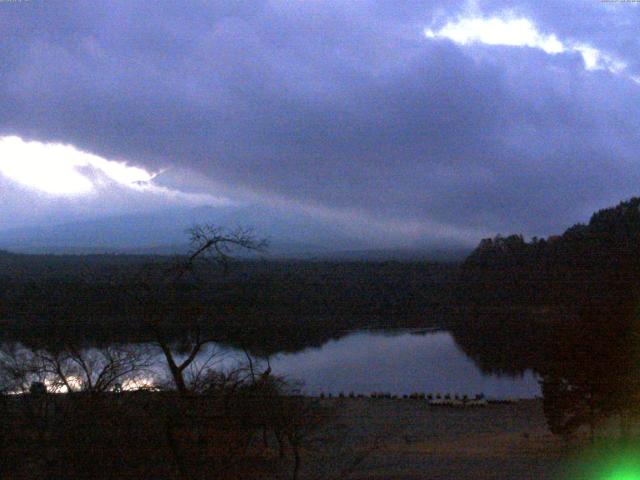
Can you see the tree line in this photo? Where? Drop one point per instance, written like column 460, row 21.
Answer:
column 567, row 307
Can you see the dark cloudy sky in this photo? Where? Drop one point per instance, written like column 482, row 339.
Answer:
column 409, row 119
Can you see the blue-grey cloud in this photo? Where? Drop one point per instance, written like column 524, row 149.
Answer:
column 344, row 109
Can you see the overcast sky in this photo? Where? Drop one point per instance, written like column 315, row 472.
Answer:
column 414, row 119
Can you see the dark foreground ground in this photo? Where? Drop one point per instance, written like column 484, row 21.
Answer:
column 416, row 441
column 160, row 436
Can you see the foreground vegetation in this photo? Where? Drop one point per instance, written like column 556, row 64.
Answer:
column 160, row 435
column 252, row 432
column 102, row 413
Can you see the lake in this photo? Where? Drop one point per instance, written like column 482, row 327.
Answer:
column 398, row 363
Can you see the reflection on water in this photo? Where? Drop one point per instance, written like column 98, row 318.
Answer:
column 365, row 362
column 361, row 362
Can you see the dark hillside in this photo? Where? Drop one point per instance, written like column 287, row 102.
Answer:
column 596, row 264
column 279, row 302
column 567, row 307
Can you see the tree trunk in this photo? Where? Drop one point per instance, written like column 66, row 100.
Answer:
column 176, row 372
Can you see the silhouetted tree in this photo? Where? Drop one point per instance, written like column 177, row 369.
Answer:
column 208, row 243
column 94, row 370
column 589, row 356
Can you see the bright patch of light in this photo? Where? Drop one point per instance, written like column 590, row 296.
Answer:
column 132, row 384
column 594, row 59
column 49, row 168
column 517, row 32
column 53, row 384
column 590, row 56
column 59, row 169
column 63, row 170
column 521, row 32
column 121, row 172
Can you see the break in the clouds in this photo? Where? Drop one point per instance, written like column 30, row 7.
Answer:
column 41, row 181
column 404, row 121
column 63, row 170
column 521, row 32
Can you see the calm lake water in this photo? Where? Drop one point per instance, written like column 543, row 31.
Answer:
column 363, row 362
column 400, row 363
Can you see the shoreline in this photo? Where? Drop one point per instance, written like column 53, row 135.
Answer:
column 418, row 440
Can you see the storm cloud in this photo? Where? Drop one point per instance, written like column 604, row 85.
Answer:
column 345, row 110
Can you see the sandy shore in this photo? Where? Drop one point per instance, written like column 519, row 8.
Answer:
column 418, row 441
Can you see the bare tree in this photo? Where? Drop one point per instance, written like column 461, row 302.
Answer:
column 93, row 370
column 18, row 368
column 192, row 372
column 176, row 367
column 208, row 243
